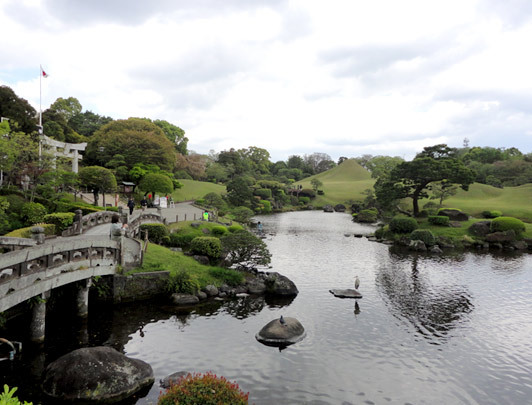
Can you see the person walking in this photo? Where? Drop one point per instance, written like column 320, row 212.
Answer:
column 131, row 205
column 144, row 203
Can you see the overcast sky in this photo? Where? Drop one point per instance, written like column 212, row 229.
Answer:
column 340, row 77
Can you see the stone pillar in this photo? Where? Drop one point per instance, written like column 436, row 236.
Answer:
column 160, row 211
column 38, row 319
column 37, row 234
column 82, row 298
column 78, row 218
column 75, row 161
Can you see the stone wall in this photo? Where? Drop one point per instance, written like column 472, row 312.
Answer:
column 139, row 286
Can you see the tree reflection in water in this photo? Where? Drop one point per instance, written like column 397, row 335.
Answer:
column 434, row 311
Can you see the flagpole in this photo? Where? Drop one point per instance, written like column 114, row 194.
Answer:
column 40, row 96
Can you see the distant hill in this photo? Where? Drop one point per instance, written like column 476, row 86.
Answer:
column 341, row 183
column 192, row 190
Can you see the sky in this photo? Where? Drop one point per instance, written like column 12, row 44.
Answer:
column 341, row 77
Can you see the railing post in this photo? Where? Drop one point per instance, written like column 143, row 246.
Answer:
column 78, row 218
column 37, row 234
column 177, row 218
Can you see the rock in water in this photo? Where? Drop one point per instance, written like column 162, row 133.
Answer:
column 345, row 293
column 95, row 375
column 276, row 333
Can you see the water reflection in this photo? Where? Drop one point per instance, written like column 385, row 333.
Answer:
column 433, row 311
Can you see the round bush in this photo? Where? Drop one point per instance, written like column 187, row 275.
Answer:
column 235, row 227
column 263, row 193
column 502, row 224
column 307, row 192
column 423, row 235
column 156, row 232
column 206, row 246
column 439, row 220
column 61, row 220
column 219, row 230
column 182, row 239
column 367, row 216
column 266, row 206
column 304, row 200
column 33, row 213
column 400, row 224
column 491, row 214
column 205, row 389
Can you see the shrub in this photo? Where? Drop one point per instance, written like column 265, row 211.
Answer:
column 400, row 224
column 245, row 250
column 63, row 206
column 304, row 200
column 61, row 220
column 7, row 397
column 423, row 235
column 448, row 209
column 431, row 207
column 491, row 214
column 263, row 193
column 200, row 201
column 156, row 232
column 182, row 282
column 207, row 246
column 307, row 192
column 49, row 229
column 266, row 206
column 219, row 230
column 502, row 224
column 183, row 239
column 235, row 227
column 440, row 220
column 242, row 214
column 228, row 276
column 205, row 389
column 367, row 216
column 33, row 213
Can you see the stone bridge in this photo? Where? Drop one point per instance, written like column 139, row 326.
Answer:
column 34, row 271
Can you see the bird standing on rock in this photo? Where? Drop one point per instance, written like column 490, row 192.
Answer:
column 282, row 321
column 357, row 282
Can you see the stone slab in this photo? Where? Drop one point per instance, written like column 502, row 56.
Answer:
column 345, row 293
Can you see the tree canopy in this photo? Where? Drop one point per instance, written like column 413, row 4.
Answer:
column 22, row 115
column 413, row 179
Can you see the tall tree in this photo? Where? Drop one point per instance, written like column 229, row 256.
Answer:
column 22, row 115
column 413, row 179
column 87, row 123
column 174, row 134
column 98, row 179
column 156, row 183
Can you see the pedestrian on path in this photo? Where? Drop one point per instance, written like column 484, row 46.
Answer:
column 144, row 203
column 206, row 215
column 131, row 205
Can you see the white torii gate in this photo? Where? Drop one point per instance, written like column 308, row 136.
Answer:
column 64, row 149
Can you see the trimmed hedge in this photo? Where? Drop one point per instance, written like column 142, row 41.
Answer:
column 400, row 224
column 49, row 230
column 307, row 192
column 423, row 235
column 263, row 193
column 491, row 214
column 219, row 230
column 266, row 206
column 63, row 206
column 440, row 220
column 235, row 227
column 61, row 220
column 156, row 232
column 502, row 224
column 207, row 246
column 304, row 200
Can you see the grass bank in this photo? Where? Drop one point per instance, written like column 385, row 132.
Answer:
column 159, row 258
column 192, row 190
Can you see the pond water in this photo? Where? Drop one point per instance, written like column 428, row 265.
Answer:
column 451, row 329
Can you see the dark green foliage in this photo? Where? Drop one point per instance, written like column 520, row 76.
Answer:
column 214, row 200
column 219, row 230
column 156, row 183
column 366, row 216
column 207, row 246
column 502, row 224
column 242, row 214
column 183, row 239
column 204, row 389
column 440, row 220
column 265, row 207
column 33, row 213
column 18, row 110
column 491, row 214
column 304, row 200
column 245, row 250
column 307, row 192
column 238, row 192
column 200, row 201
column 182, row 282
column 61, row 220
column 263, row 193
column 228, row 276
column 156, row 232
column 423, row 235
column 400, row 224
column 431, row 208
column 64, row 206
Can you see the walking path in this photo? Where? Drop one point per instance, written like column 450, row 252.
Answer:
column 180, row 212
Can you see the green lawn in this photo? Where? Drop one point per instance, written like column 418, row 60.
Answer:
column 159, row 258
column 192, row 190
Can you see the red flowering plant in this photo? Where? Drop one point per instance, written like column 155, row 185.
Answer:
column 205, row 389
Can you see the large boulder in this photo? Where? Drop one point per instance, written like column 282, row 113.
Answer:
column 256, row 286
column 281, row 332
column 481, row 228
column 501, row 237
column 417, row 246
column 95, row 375
column 184, row 299
column 453, row 214
column 328, row 208
column 277, row 284
column 339, row 208
column 345, row 293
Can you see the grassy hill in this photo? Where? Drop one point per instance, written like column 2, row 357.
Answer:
column 193, row 190
column 511, row 201
column 341, row 183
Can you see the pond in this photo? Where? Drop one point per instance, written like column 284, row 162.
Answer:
column 449, row 329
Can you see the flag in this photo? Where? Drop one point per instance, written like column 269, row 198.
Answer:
column 44, row 74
